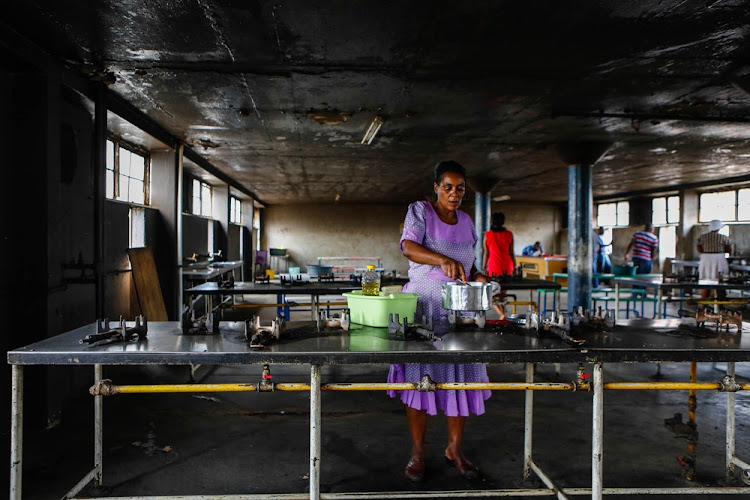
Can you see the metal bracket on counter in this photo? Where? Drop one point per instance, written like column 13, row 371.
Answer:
column 207, row 324
column 260, row 336
column 423, row 330
column 322, row 321
column 723, row 317
column 119, row 334
column 457, row 318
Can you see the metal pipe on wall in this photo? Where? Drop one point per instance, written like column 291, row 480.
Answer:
column 178, row 189
column 100, row 189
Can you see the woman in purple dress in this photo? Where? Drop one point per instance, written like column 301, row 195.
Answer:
column 439, row 240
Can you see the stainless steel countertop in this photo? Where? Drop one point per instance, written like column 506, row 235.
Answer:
column 630, row 341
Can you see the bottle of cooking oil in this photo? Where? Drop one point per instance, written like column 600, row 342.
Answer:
column 371, row 282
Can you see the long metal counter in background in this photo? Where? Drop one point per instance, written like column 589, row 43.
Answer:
column 630, row 341
column 316, row 289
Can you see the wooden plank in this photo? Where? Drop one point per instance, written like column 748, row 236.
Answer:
column 147, row 288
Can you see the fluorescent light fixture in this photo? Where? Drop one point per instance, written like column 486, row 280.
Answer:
column 504, row 197
column 372, row 130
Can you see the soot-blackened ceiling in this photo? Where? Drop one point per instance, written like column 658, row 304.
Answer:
column 278, row 95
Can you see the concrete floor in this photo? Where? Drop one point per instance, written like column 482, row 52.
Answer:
column 250, row 443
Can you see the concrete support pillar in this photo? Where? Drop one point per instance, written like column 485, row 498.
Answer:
column 482, row 187
column 482, row 216
column 688, row 219
column 580, row 253
column 580, row 158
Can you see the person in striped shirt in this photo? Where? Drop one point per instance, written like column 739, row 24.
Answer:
column 713, row 247
column 642, row 248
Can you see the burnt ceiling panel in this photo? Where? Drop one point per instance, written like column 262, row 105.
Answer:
column 279, row 95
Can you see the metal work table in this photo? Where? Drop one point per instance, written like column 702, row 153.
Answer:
column 630, row 341
column 210, row 271
column 316, row 289
column 661, row 287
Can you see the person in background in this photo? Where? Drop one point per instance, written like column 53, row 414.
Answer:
column 642, row 248
column 712, row 247
column 534, row 250
column 602, row 264
column 439, row 241
column 499, row 257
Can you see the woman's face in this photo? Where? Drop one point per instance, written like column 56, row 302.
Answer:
column 450, row 191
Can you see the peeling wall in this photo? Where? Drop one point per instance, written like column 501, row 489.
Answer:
column 312, row 231
column 532, row 222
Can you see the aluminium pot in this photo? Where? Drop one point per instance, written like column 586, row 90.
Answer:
column 469, row 296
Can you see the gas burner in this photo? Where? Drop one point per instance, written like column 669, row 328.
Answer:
column 421, row 331
column 118, row 334
column 322, row 322
column 461, row 318
column 203, row 325
column 292, row 280
column 325, row 278
column 261, row 336
column 228, row 283
column 724, row 317
column 562, row 324
column 264, row 280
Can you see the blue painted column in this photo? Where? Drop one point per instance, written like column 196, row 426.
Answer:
column 580, row 252
column 482, row 216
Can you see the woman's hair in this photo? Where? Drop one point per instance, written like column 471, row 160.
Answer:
column 498, row 219
column 448, row 166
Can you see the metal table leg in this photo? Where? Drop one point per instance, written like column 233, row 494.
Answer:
column 98, row 427
column 617, row 301
column 597, row 441
column 730, row 443
column 16, row 435
column 528, row 422
column 659, row 300
column 315, row 412
column 314, row 306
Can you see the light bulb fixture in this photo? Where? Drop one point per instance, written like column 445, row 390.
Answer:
column 372, row 130
column 504, row 197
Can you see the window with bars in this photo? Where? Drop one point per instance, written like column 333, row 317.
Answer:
column 665, row 210
column 727, row 206
column 613, row 214
column 201, row 198
column 127, row 175
column 235, row 210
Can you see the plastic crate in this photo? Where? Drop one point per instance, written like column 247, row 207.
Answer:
column 624, row 270
column 373, row 310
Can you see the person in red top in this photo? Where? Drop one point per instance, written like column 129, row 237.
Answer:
column 499, row 257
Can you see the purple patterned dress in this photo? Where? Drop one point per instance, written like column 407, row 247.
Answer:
column 422, row 225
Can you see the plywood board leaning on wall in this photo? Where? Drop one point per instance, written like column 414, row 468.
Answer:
column 147, row 288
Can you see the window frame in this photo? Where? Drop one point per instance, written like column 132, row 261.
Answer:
column 202, row 186
column 235, row 210
column 118, row 143
column 617, row 204
column 667, row 212
column 736, row 207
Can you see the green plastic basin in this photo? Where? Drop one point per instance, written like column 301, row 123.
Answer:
column 373, row 310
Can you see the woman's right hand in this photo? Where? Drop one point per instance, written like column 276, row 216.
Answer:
column 453, row 269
